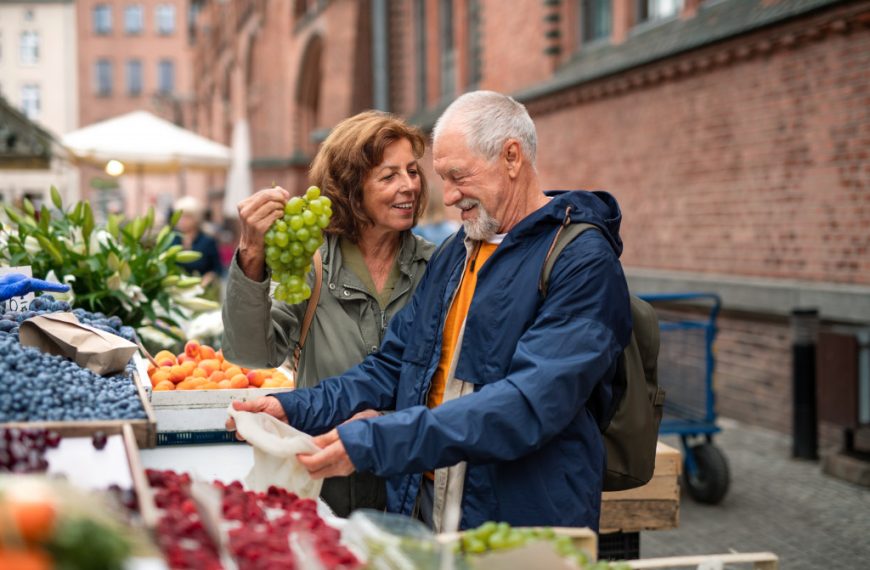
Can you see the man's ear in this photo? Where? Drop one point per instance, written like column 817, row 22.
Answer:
column 513, row 158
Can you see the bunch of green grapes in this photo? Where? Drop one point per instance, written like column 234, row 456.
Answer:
column 293, row 239
column 501, row 536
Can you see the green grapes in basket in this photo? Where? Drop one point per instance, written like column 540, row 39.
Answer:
column 292, row 241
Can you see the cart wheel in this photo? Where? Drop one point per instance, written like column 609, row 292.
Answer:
column 710, row 481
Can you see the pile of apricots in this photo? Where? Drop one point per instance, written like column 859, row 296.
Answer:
column 201, row 367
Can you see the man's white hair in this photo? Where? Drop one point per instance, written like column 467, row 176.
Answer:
column 488, row 119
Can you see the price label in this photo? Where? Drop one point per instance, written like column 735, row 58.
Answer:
column 16, row 304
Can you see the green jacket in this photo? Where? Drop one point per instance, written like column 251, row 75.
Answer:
column 348, row 324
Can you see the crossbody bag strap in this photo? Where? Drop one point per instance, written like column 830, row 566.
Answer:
column 317, row 260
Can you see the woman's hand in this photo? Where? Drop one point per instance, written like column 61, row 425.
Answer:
column 332, row 459
column 256, row 215
column 268, row 405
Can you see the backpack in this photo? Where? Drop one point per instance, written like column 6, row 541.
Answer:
column 631, row 432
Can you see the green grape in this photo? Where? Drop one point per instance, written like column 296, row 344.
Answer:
column 303, row 234
column 306, row 291
column 325, row 201
column 322, row 221
column 298, row 262
column 296, row 249
column 312, row 193
column 316, row 206
column 309, row 218
column 280, row 226
column 311, row 245
column 281, row 239
column 286, row 257
column 269, row 237
column 296, row 222
column 294, row 284
column 272, row 253
column 294, row 206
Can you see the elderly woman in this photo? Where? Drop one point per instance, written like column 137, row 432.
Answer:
column 371, row 266
column 192, row 237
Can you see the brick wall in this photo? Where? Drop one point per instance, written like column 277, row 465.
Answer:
column 756, row 168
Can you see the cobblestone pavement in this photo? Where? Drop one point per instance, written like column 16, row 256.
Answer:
column 775, row 503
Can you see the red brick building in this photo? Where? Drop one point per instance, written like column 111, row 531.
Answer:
column 734, row 133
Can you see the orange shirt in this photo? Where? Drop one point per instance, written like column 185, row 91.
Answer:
column 455, row 319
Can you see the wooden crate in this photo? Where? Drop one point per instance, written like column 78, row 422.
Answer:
column 145, row 430
column 759, row 561
column 144, row 493
column 654, row 506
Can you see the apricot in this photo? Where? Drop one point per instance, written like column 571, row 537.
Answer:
column 224, row 384
column 210, row 364
column 256, row 377
column 239, row 381
column 225, row 365
column 177, row 373
column 209, row 386
column 164, row 385
column 288, row 383
column 199, row 373
column 232, row 371
column 206, row 352
column 191, row 348
column 188, row 366
column 219, row 355
column 160, row 375
column 196, row 382
column 165, row 358
column 182, row 358
column 185, row 384
column 271, row 383
column 217, row 376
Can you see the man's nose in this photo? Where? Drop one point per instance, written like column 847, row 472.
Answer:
column 452, row 195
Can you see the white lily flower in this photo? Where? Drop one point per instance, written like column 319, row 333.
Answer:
column 100, row 240
column 31, row 246
column 133, row 295
column 70, row 295
column 78, row 240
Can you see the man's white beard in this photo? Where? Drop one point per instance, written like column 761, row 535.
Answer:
column 482, row 228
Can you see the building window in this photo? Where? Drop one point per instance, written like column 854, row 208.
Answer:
column 29, row 51
column 649, row 10
column 103, row 77
column 165, row 76
column 474, row 63
column 596, row 19
column 102, row 19
column 134, row 77
column 420, row 51
column 165, row 16
column 448, row 49
column 133, row 20
column 31, row 101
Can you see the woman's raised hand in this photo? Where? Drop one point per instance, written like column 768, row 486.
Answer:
column 256, row 214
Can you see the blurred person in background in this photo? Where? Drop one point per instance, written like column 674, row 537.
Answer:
column 372, row 263
column 436, row 227
column 192, row 236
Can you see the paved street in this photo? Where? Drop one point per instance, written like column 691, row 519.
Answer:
column 774, row 504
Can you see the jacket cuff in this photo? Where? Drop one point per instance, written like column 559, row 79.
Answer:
column 356, row 437
column 244, row 287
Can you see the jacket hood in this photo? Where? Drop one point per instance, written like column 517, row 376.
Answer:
column 597, row 208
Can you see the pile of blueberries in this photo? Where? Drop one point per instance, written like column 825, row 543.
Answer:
column 35, row 386
column 47, row 304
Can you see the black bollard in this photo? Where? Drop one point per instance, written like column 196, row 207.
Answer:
column 805, row 326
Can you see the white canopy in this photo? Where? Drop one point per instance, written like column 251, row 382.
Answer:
column 147, row 142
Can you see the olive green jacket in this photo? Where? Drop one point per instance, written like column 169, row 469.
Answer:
column 348, row 324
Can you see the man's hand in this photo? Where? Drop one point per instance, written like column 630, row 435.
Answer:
column 256, row 215
column 332, row 459
column 17, row 285
column 268, row 405
column 363, row 415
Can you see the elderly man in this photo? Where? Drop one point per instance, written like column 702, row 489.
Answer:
column 498, row 391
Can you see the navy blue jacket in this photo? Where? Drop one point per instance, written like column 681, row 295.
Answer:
column 541, row 369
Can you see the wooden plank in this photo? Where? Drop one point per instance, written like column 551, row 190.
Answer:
column 146, row 436
column 634, row 516
column 759, row 561
column 144, row 493
column 663, row 487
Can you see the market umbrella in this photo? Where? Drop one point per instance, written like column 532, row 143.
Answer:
column 239, row 182
column 145, row 143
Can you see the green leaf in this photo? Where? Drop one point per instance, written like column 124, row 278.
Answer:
column 50, row 248
column 14, row 216
column 28, row 207
column 112, row 225
column 88, row 224
column 149, row 218
column 76, row 215
column 44, row 218
column 176, row 215
column 55, row 198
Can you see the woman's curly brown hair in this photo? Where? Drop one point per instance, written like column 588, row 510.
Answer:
column 347, row 156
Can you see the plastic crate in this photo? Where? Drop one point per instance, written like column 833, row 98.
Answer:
column 619, row 546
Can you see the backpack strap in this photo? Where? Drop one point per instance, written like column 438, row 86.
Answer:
column 309, row 310
column 564, row 235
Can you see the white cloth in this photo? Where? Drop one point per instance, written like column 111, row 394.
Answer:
column 275, row 446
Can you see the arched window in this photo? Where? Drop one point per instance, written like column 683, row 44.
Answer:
column 308, row 95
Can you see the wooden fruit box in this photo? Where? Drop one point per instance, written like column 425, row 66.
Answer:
column 145, row 430
column 189, row 414
column 654, row 506
column 758, row 560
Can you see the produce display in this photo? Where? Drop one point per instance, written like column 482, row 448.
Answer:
column 44, row 304
column 44, row 387
column 23, row 450
column 49, row 524
column 261, row 528
column 201, row 367
column 293, row 239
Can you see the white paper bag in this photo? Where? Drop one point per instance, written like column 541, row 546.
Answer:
column 275, row 446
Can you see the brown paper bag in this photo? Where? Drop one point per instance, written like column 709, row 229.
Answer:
column 62, row 334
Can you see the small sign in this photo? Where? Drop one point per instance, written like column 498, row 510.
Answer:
column 16, row 304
